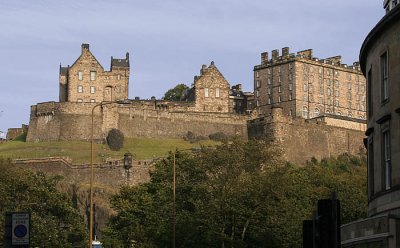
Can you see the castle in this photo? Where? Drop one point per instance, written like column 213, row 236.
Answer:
column 213, row 106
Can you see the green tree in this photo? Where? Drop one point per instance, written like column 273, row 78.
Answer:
column 240, row 194
column 54, row 222
column 177, row 93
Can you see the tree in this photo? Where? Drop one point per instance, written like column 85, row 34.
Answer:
column 55, row 223
column 115, row 139
column 239, row 194
column 177, row 93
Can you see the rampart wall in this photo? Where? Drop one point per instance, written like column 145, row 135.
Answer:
column 302, row 139
column 72, row 121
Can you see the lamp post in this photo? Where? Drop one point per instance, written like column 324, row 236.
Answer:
column 91, row 165
column 127, row 164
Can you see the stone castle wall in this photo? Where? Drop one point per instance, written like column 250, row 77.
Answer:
column 302, row 139
column 157, row 119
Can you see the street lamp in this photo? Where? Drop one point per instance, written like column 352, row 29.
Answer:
column 91, row 165
column 127, row 164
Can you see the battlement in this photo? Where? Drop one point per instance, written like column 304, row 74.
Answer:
column 304, row 55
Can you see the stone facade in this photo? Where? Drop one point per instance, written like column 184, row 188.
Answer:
column 141, row 118
column 301, row 139
column 86, row 80
column 307, row 87
column 211, row 91
column 380, row 63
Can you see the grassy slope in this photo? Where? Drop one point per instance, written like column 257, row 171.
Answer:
column 79, row 151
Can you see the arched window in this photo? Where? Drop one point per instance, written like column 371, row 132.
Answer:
column 305, row 112
column 316, row 112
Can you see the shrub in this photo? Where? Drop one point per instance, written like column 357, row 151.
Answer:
column 115, row 139
column 218, row 136
column 190, row 136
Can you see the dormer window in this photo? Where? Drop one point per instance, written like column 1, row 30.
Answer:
column 92, row 75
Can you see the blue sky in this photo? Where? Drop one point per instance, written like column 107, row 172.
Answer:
column 168, row 40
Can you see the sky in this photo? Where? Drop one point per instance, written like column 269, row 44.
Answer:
column 168, row 40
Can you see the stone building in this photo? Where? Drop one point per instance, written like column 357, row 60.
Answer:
column 241, row 102
column 87, row 81
column 307, row 87
column 211, row 90
column 380, row 63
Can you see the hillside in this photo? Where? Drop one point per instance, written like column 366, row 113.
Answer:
column 79, row 151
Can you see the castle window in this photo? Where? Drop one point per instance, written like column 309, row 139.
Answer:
column 337, row 103
column 118, row 77
column 311, row 69
column 384, row 77
column 316, row 112
column 279, row 98
column 92, row 89
column 290, row 86
column 328, row 82
column 279, row 89
column 290, row 76
column 328, row 91
column 92, row 100
column 305, row 87
column 217, row 92
column 290, row 96
column 205, row 92
column 348, row 96
column 320, row 70
column 336, row 92
column 79, row 100
column 305, row 112
column 269, row 91
column 80, row 75
column 80, row 88
column 336, row 74
column 336, row 83
column 269, row 100
column 257, row 93
column 269, row 70
column 257, row 74
column 257, row 83
column 257, row 103
column 269, row 80
column 92, row 75
column 279, row 79
column 349, row 86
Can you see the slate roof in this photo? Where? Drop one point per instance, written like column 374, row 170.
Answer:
column 63, row 71
column 119, row 62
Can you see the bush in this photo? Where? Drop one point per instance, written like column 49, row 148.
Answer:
column 190, row 136
column 218, row 136
column 115, row 139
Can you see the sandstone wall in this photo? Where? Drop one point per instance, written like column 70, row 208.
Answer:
column 72, row 121
column 303, row 139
